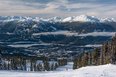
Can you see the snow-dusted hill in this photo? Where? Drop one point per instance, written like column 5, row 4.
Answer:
column 108, row 70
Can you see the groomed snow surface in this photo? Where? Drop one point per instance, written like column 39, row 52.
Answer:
column 108, row 70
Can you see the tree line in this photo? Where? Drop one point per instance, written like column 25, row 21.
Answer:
column 99, row 56
column 29, row 63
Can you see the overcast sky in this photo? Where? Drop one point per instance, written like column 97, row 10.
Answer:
column 62, row 8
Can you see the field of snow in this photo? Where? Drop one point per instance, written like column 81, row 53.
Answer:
column 67, row 67
column 108, row 70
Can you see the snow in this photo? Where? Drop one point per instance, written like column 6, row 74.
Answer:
column 82, row 18
column 35, row 26
column 108, row 70
column 85, row 18
column 67, row 67
column 55, row 19
column 108, row 20
column 68, row 19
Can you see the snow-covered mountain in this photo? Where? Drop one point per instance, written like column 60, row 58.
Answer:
column 33, row 27
column 56, row 37
column 55, row 33
column 85, row 18
column 81, row 18
column 82, row 23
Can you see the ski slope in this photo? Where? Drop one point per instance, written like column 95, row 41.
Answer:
column 67, row 67
column 108, row 70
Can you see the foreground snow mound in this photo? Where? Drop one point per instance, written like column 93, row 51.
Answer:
column 108, row 70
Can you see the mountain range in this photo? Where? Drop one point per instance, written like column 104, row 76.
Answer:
column 55, row 34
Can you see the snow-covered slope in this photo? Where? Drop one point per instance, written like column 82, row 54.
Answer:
column 108, row 70
column 67, row 67
column 82, row 18
column 85, row 18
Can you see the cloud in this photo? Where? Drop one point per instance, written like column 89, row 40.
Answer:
column 63, row 8
column 92, row 1
column 38, row 1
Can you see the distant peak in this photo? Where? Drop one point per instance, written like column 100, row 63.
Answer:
column 80, row 18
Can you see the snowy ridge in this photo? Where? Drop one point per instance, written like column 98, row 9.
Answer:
column 81, row 18
column 85, row 18
column 108, row 70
